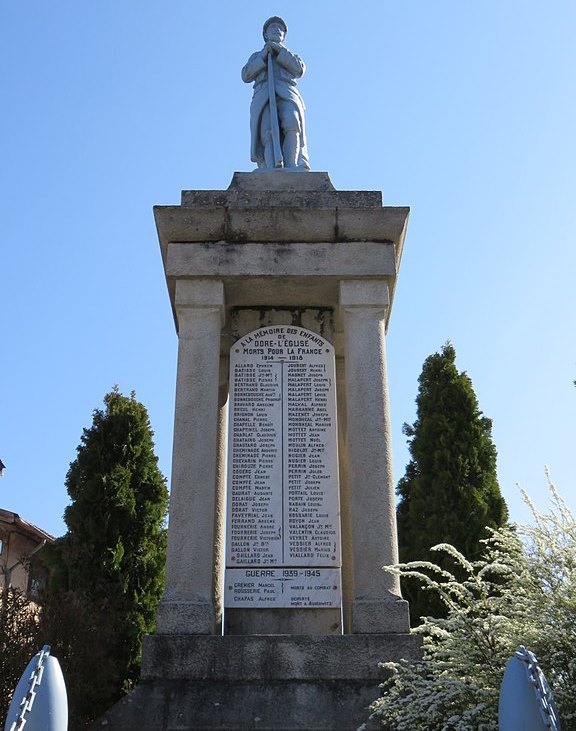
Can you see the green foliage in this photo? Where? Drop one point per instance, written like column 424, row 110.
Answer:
column 89, row 639
column 522, row 591
column 107, row 571
column 19, row 641
column 449, row 493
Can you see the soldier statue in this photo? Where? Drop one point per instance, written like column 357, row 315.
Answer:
column 277, row 128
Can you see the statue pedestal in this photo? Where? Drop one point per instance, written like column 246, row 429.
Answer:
column 275, row 249
column 281, row 248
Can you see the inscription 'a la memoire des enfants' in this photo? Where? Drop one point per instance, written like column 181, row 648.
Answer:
column 283, row 513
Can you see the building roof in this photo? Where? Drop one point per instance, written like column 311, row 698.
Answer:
column 13, row 522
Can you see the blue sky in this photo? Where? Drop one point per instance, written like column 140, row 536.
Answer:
column 466, row 112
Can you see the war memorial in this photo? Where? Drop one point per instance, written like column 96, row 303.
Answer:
column 276, row 609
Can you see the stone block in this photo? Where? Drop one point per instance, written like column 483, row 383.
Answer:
column 177, row 617
column 282, row 199
column 374, row 616
column 281, row 224
column 199, row 293
column 274, row 657
column 362, row 293
column 242, row 260
column 372, row 224
column 238, row 706
column 267, row 683
column 282, row 181
column 200, row 224
column 281, row 189
column 283, row 621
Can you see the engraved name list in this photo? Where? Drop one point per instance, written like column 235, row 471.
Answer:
column 283, row 503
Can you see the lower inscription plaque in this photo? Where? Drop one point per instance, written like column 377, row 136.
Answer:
column 282, row 588
column 283, row 503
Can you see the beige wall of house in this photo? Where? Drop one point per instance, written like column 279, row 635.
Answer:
column 21, row 545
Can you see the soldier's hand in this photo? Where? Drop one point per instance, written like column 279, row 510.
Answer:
column 274, row 46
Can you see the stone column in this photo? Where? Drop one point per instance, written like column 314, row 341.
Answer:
column 345, row 511
column 220, row 495
column 377, row 605
column 188, row 605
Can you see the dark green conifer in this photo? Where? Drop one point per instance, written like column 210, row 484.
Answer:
column 108, row 570
column 450, row 492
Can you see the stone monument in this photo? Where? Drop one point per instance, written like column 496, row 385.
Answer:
column 282, row 510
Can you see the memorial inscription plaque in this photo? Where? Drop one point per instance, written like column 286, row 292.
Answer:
column 283, row 503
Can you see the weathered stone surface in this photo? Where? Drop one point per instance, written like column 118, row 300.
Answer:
column 170, row 705
column 272, row 271
column 280, row 683
column 282, row 180
column 200, row 224
column 284, row 189
column 273, row 199
column 372, row 224
column 284, row 255
column 283, row 621
column 374, row 615
column 199, row 617
column 238, row 261
column 246, row 319
column 377, row 605
column 279, row 224
column 189, row 603
column 274, row 657
column 281, row 275
column 281, row 243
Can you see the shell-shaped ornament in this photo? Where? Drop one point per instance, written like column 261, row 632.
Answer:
column 526, row 702
column 39, row 702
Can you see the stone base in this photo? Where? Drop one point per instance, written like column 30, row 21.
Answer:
column 281, row 189
column 176, row 618
column 283, row 622
column 273, row 682
column 372, row 616
column 281, row 180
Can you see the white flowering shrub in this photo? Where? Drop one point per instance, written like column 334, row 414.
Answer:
column 522, row 591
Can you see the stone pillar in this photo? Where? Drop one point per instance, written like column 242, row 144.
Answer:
column 188, row 605
column 345, row 511
column 220, row 496
column 377, row 605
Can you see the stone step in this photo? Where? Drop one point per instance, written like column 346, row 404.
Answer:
column 270, row 683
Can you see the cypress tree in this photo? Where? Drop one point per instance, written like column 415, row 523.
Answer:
column 450, row 492
column 108, row 570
